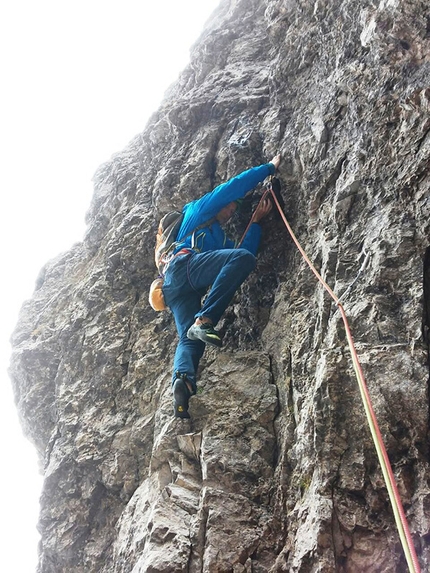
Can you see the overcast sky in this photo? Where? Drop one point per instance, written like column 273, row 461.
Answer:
column 79, row 80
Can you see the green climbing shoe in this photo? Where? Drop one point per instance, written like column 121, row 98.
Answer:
column 206, row 333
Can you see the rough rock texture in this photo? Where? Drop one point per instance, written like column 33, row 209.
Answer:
column 276, row 471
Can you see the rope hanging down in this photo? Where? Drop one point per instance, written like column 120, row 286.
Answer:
column 399, row 514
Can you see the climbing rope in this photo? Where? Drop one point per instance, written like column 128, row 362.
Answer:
column 399, row 514
column 265, row 194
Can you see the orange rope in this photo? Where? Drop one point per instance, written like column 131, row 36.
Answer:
column 399, row 514
column 266, row 192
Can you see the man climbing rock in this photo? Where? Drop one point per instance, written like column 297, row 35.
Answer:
column 203, row 259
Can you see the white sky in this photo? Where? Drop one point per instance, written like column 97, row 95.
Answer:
column 79, row 80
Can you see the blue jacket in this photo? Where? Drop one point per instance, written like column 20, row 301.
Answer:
column 197, row 212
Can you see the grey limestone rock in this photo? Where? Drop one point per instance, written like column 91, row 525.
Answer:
column 276, row 470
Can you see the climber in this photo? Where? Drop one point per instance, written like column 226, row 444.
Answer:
column 207, row 258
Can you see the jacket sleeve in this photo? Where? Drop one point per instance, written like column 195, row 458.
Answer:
column 211, row 203
column 252, row 239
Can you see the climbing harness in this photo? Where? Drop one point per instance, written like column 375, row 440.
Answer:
column 165, row 245
column 399, row 514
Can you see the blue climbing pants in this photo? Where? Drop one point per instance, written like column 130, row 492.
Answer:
column 186, row 282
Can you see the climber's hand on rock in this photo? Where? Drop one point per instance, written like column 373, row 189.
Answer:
column 263, row 209
column 276, row 160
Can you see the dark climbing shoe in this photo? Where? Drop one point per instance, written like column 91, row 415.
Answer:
column 181, row 396
column 206, row 333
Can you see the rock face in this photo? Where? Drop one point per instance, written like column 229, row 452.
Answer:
column 276, row 470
